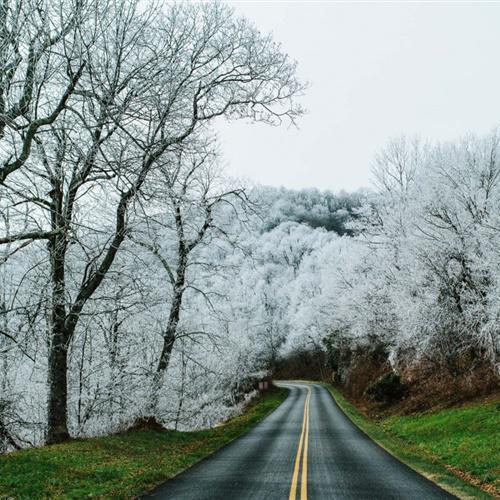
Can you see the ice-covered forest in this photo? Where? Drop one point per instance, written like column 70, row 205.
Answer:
column 139, row 281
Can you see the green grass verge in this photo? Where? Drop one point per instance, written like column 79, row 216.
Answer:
column 122, row 465
column 466, row 439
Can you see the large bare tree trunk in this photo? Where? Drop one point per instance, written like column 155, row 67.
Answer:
column 57, row 430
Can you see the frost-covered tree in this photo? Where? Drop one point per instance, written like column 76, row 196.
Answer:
column 142, row 81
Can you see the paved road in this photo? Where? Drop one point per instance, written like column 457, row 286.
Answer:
column 306, row 448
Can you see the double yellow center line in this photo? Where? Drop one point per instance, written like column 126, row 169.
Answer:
column 302, row 455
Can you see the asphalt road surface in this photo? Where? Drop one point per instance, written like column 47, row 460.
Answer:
column 306, row 448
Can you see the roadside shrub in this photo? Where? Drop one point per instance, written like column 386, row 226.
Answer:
column 386, row 389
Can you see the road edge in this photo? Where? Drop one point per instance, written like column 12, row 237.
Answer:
column 462, row 489
column 150, row 493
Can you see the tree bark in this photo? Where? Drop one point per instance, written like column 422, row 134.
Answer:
column 57, row 430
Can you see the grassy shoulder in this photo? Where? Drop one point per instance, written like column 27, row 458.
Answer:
column 457, row 448
column 122, row 465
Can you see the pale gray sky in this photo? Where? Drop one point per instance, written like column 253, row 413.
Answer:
column 376, row 70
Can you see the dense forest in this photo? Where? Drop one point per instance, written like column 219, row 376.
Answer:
column 407, row 307
column 139, row 281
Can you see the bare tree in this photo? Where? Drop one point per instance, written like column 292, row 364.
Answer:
column 189, row 190
column 40, row 67
column 146, row 82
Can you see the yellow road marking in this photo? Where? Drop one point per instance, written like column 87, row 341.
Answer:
column 303, row 444
column 303, row 484
column 295, row 477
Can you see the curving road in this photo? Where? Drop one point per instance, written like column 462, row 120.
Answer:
column 306, row 448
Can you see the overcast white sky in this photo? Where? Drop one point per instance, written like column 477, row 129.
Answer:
column 376, row 70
